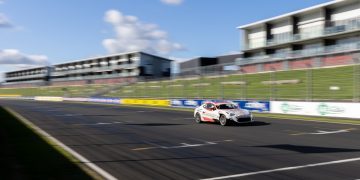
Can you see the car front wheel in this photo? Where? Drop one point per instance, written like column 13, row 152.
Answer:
column 223, row 120
column 197, row 118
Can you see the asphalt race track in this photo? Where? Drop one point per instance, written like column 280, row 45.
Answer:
column 144, row 143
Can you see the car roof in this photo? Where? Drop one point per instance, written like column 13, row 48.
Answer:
column 219, row 102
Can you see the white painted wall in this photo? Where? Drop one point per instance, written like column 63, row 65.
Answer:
column 282, row 27
column 346, row 12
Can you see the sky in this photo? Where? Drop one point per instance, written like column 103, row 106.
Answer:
column 44, row 32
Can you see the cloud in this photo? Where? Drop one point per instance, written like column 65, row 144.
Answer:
column 4, row 21
column 18, row 59
column 172, row 2
column 133, row 35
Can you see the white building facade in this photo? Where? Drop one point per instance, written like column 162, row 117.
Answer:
column 325, row 29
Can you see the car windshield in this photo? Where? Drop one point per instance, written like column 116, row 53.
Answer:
column 226, row 106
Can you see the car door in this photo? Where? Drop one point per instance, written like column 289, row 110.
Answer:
column 213, row 112
column 208, row 112
column 205, row 112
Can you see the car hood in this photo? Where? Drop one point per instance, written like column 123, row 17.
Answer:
column 237, row 112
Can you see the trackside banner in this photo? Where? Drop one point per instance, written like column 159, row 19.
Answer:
column 186, row 103
column 48, row 98
column 255, row 106
column 77, row 99
column 105, row 100
column 146, row 102
column 327, row 109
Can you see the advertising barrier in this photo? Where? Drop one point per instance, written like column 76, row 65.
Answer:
column 346, row 110
column 186, row 103
column 105, row 100
column 255, row 106
column 146, row 102
column 77, row 99
column 9, row 95
column 48, row 98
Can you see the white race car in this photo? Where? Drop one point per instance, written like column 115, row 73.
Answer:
column 223, row 112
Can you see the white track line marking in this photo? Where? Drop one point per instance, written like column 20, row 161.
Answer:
column 182, row 145
column 78, row 156
column 319, row 132
column 285, row 169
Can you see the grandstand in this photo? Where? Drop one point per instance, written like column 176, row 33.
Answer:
column 118, row 68
column 27, row 77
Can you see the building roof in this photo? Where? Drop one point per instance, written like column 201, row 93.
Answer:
column 110, row 55
column 291, row 13
column 26, row 69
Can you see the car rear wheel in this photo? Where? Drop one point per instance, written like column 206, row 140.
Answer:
column 223, row 120
column 197, row 118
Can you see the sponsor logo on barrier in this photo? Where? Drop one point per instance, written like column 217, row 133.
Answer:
column 105, row 100
column 48, row 98
column 255, row 105
column 325, row 109
column 328, row 109
column 176, row 103
column 10, row 95
column 191, row 103
column 286, row 108
column 147, row 102
column 259, row 106
column 76, row 99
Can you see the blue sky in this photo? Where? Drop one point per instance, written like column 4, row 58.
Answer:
column 43, row 31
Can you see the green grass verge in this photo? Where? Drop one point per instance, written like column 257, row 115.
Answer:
column 314, row 84
column 26, row 155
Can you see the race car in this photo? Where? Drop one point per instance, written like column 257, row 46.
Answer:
column 223, row 112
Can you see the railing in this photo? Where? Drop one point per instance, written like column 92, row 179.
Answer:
column 27, row 77
column 95, row 69
column 103, row 76
column 301, row 53
column 339, row 27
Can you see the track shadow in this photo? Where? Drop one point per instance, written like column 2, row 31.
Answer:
column 255, row 123
column 309, row 149
column 104, row 115
column 155, row 124
column 163, row 159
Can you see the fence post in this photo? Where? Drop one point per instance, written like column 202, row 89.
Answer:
column 220, row 84
column 309, row 84
column 356, row 78
column 272, row 81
